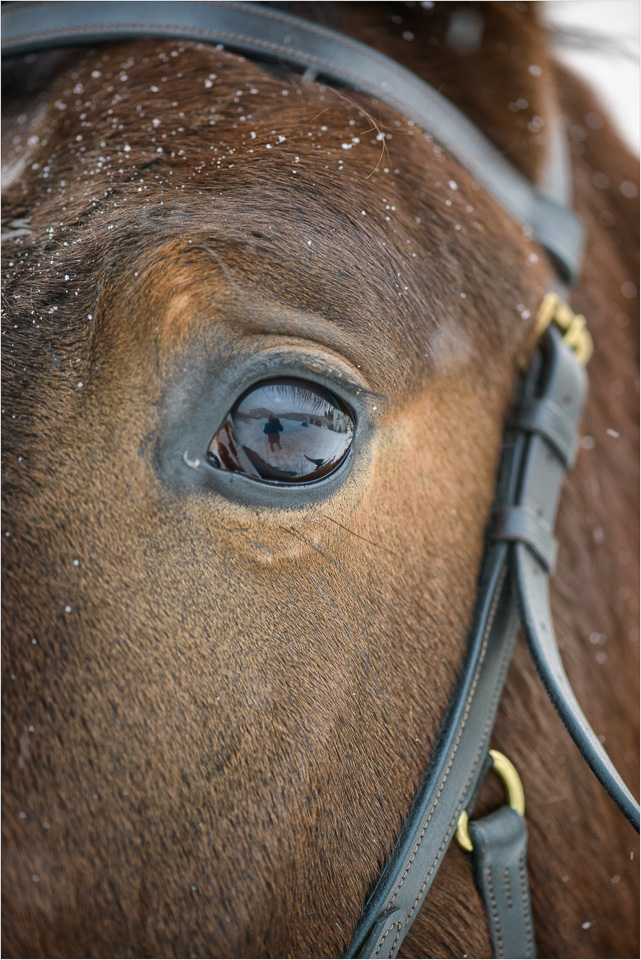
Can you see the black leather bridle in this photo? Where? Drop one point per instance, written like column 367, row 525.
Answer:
column 541, row 444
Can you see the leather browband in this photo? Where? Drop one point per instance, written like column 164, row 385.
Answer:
column 257, row 29
column 540, row 445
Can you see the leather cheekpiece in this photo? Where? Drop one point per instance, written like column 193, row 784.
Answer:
column 500, row 842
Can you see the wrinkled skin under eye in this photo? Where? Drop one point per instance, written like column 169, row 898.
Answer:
column 284, row 431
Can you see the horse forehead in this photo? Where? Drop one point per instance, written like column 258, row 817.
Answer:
column 143, row 82
column 107, row 113
column 131, row 108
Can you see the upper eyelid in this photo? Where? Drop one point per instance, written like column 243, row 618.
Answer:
column 297, row 361
column 362, row 391
column 306, row 373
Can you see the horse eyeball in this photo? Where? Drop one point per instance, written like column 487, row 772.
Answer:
column 284, row 431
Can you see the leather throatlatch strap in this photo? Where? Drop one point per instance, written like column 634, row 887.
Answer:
column 260, row 30
column 500, row 871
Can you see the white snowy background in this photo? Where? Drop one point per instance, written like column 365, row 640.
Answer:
column 611, row 66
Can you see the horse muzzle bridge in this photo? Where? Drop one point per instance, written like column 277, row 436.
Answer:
column 520, row 547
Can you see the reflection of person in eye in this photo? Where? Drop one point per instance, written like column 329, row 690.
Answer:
column 273, row 429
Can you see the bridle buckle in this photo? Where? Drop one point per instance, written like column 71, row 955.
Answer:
column 573, row 326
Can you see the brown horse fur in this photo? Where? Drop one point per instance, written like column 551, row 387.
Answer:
column 216, row 714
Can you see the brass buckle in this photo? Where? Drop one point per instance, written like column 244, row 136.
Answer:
column 510, row 779
column 576, row 335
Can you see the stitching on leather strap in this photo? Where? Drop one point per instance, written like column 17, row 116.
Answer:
column 508, row 887
column 529, row 933
column 451, row 760
column 264, row 14
column 20, row 6
column 396, row 924
column 505, row 662
column 221, row 36
column 495, row 913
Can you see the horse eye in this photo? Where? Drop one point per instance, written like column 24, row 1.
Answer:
column 284, row 430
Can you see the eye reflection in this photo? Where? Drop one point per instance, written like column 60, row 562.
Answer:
column 284, row 430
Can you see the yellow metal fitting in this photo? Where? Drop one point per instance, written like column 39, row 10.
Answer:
column 506, row 771
column 576, row 335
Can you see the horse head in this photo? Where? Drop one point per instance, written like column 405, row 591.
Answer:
column 221, row 691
